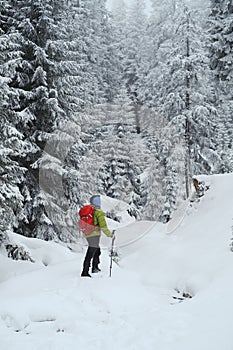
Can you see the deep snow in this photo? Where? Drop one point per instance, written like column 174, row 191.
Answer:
column 47, row 305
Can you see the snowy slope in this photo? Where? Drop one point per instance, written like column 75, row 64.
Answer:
column 47, row 305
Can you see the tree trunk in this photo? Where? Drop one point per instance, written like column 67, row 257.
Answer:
column 187, row 115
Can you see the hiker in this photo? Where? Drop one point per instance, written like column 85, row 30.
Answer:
column 93, row 237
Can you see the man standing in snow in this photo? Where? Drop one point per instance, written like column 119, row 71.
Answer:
column 93, row 238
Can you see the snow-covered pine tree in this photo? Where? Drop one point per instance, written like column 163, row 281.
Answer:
column 159, row 135
column 86, row 56
column 83, row 73
column 102, row 66
column 159, row 35
column 74, row 51
column 37, row 108
column 167, row 151
column 220, row 31
column 106, row 58
column 11, row 140
column 119, row 24
column 89, row 79
column 172, row 155
column 183, row 89
column 121, row 154
column 114, row 149
column 154, row 188
column 119, row 173
column 221, row 63
column 179, row 89
column 135, row 44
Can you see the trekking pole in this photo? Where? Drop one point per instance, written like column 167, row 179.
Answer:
column 112, row 252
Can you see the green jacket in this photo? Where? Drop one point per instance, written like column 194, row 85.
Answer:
column 99, row 221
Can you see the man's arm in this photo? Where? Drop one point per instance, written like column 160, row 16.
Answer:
column 102, row 222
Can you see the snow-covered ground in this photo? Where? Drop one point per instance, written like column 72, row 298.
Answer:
column 47, row 305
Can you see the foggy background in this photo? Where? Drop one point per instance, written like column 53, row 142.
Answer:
column 192, row 3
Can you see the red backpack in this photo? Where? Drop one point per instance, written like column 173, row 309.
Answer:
column 86, row 221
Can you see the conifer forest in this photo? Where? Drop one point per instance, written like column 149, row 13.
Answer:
column 125, row 102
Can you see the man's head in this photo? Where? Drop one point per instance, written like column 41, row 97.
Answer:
column 95, row 201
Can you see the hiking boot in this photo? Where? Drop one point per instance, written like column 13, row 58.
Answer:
column 96, row 269
column 85, row 274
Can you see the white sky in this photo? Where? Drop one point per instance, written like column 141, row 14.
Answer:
column 109, row 3
column 193, row 3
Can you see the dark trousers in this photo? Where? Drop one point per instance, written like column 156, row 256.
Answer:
column 93, row 253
